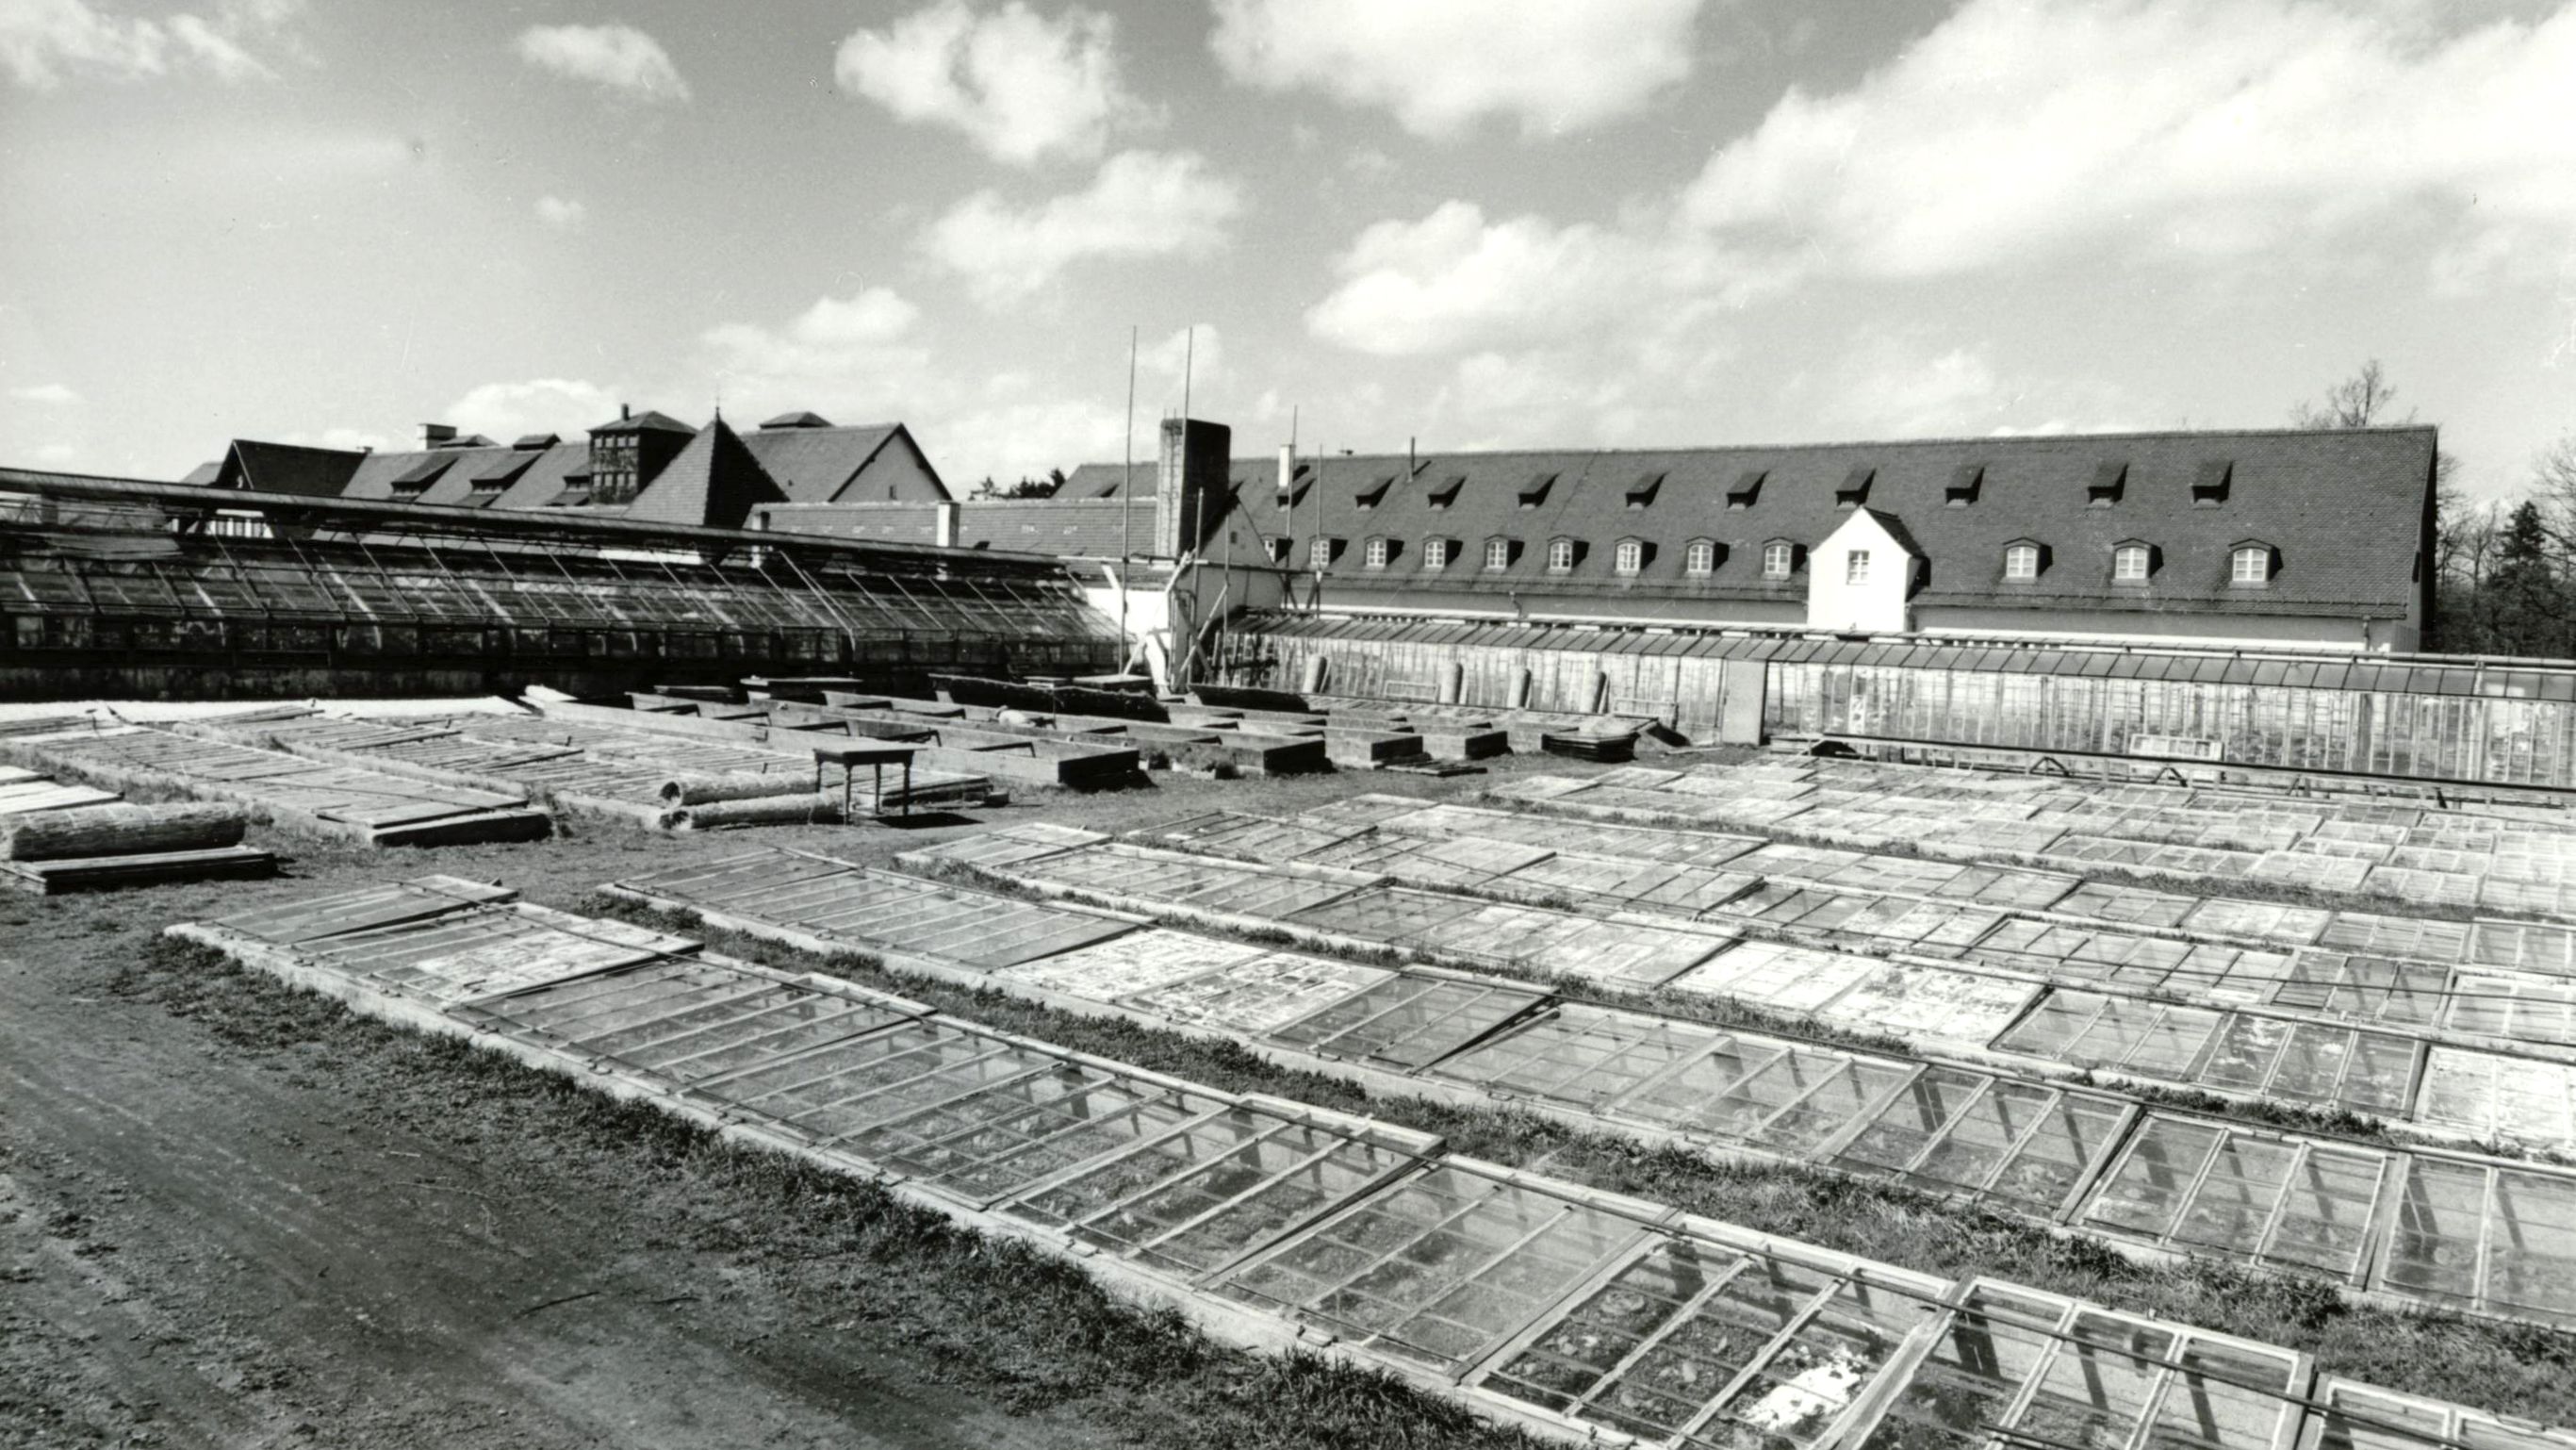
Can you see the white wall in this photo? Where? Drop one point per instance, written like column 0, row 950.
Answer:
column 1875, row 604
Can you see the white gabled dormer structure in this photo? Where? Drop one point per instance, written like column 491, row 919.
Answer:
column 1859, row 577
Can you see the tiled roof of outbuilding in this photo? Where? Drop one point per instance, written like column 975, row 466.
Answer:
column 1084, row 528
column 2344, row 510
column 713, row 483
column 814, row 463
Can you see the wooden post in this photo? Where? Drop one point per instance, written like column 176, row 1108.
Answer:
column 1453, row 682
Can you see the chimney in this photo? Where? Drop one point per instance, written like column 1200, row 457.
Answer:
column 624, row 412
column 1189, row 487
column 1287, row 466
column 944, row 523
column 433, row 434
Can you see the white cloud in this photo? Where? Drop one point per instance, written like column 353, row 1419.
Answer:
column 842, row 356
column 1452, row 281
column 1142, row 204
column 1442, row 65
column 1020, row 86
column 561, row 213
column 619, row 57
column 43, row 41
column 504, row 411
column 48, row 395
column 2189, row 129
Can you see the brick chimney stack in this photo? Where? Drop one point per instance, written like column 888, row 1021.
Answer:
column 1190, row 488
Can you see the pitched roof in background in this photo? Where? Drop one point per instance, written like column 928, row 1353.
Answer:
column 1109, row 480
column 2344, row 508
column 798, row 419
column 204, row 473
column 288, row 468
column 537, row 486
column 647, row 421
column 815, row 464
column 713, row 483
column 1081, row 528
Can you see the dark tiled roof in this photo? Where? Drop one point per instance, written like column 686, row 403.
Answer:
column 289, row 468
column 817, row 463
column 798, row 419
column 1087, row 528
column 646, row 421
column 2344, row 510
column 714, row 484
column 1104, row 480
column 537, row 486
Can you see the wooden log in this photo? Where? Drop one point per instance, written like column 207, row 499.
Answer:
column 798, row 809
column 693, row 790
column 118, row 830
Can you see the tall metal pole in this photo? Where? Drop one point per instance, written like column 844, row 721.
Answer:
column 1127, row 505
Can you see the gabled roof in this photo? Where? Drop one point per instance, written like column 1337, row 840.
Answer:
column 819, row 463
column 712, row 484
column 1106, row 480
column 205, row 473
column 647, row 421
column 288, row 468
column 2344, row 507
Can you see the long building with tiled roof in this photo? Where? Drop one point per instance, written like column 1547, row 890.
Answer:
column 2308, row 537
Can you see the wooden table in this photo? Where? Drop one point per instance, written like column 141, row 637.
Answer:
column 876, row 756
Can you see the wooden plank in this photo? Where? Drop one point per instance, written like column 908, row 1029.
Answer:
column 104, row 873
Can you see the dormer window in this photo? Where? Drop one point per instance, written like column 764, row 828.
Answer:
column 1629, row 557
column 1534, row 492
column 1746, row 490
column 1560, row 556
column 1436, row 553
column 1641, row 494
column 2021, row 562
column 1498, row 554
column 1447, row 493
column 1855, row 488
column 1966, row 482
column 2209, row 484
column 1700, row 560
column 414, row 481
column 1279, row 550
column 2251, row 564
column 1320, row 553
column 1779, row 560
column 1377, row 554
column 2132, row 563
column 1369, row 497
column 2110, row 480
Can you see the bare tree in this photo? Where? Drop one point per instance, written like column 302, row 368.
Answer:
column 2363, row 400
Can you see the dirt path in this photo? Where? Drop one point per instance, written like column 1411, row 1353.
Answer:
column 210, row 1245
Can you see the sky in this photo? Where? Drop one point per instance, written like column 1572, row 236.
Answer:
column 1458, row 224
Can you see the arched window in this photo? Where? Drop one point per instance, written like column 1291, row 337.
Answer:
column 1498, row 553
column 1630, row 558
column 1435, row 553
column 2250, row 564
column 1560, row 555
column 1778, row 559
column 1377, row 553
column 2129, row 564
column 2021, row 561
column 1702, row 558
